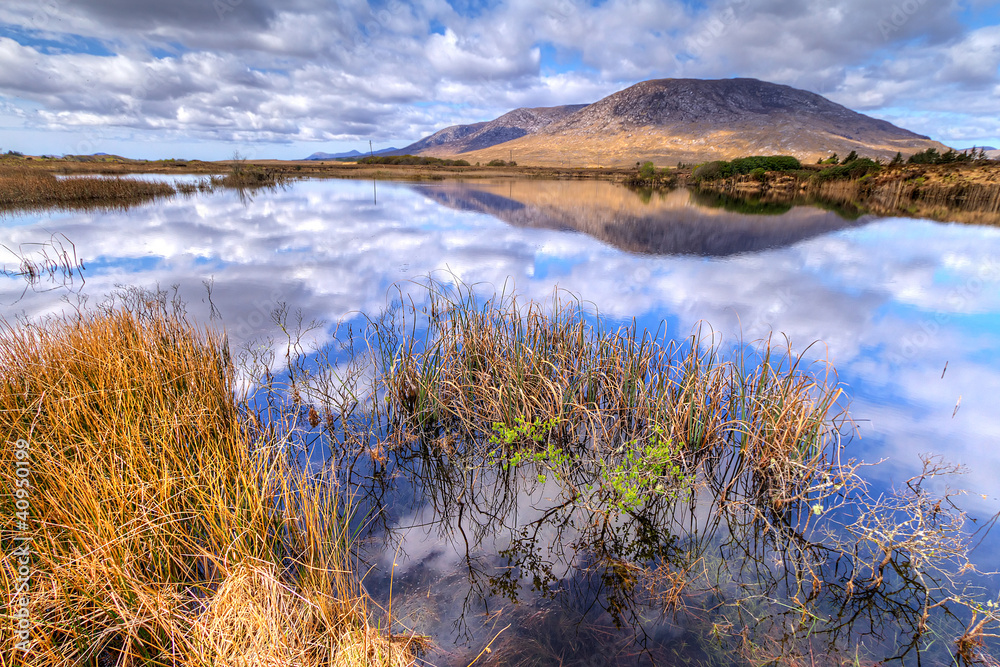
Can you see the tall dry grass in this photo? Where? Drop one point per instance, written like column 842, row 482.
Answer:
column 167, row 527
column 760, row 426
column 25, row 188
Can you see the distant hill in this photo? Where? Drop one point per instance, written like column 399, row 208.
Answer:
column 672, row 120
column 334, row 156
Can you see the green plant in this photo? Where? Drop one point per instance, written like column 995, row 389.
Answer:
column 745, row 165
column 655, row 468
column 535, row 431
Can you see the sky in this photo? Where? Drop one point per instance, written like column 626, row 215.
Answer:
column 202, row 79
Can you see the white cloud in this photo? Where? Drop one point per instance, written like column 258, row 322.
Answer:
column 311, row 71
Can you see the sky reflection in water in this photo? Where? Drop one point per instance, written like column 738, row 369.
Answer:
column 892, row 300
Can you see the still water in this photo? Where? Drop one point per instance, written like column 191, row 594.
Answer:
column 908, row 312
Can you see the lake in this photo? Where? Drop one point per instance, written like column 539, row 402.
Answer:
column 906, row 310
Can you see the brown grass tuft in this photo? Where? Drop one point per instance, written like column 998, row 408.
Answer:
column 25, row 188
column 166, row 529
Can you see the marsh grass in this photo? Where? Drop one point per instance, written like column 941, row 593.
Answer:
column 505, row 375
column 26, row 188
column 686, row 478
column 168, row 526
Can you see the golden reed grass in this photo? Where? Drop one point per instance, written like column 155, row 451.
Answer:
column 166, row 528
column 25, row 188
column 761, row 425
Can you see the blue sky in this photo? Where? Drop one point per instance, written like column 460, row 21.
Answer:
column 203, row 78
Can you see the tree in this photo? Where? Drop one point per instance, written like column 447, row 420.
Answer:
column 929, row 156
column 898, row 159
column 851, row 157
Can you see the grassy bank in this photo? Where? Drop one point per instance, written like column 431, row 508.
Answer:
column 32, row 189
column 167, row 528
column 961, row 192
column 311, row 168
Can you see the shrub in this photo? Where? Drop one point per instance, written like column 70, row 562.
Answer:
column 419, row 160
column 711, row 171
column 746, row 165
column 858, row 168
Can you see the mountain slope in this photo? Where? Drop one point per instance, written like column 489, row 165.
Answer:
column 512, row 125
column 689, row 120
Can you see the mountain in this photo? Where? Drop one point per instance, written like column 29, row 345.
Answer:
column 334, row 156
column 512, row 125
column 672, row 120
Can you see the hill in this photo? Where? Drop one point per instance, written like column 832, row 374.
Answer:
column 678, row 120
column 349, row 154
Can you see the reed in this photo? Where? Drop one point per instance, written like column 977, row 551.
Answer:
column 503, row 376
column 26, row 188
column 168, row 527
column 672, row 473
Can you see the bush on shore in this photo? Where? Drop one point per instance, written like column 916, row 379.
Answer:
column 413, row 159
column 711, row 171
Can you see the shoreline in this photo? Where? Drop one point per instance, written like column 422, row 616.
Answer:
column 967, row 193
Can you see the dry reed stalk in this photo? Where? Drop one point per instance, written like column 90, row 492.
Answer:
column 24, row 188
column 167, row 529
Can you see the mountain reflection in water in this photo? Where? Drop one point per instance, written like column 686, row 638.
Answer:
column 675, row 222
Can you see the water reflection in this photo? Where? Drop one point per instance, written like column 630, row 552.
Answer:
column 665, row 222
column 894, row 300
column 725, row 557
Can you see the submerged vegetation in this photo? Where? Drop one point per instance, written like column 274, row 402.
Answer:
column 167, row 526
